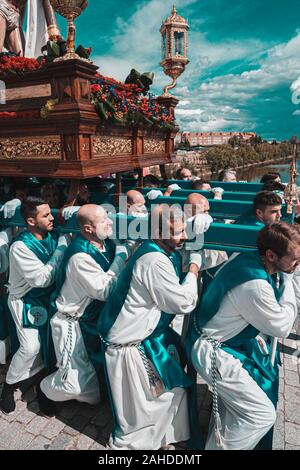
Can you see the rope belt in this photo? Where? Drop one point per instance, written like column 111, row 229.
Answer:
column 68, row 346
column 216, row 345
column 154, row 380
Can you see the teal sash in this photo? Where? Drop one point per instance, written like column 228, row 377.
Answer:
column 39, row 297
column 156, row 345
column 91, row 314
column 249, row 219
column 7, row 325
column 244, row 346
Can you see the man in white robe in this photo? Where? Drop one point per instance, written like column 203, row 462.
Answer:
column 5, row 239
column 296, row 284
column 148, row 415
column 27, row 272
column 246, row 412
column 197, row 212
column 85, row 281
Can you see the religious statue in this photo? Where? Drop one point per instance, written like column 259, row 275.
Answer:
column 41, row 26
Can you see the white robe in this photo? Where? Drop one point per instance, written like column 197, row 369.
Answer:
column 296, row 284
column 5, row 239
column 246, row 412
column 85, row 281
column 27, row 272
column 145, row 422
column 210, row 259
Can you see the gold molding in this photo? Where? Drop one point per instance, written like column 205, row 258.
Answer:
column 154, row 145
column 39, row 147
column 103, row 145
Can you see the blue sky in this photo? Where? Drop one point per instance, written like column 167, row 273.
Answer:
column 244, row 58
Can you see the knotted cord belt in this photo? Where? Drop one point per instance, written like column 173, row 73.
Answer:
column 216, row 345
column 154, row 379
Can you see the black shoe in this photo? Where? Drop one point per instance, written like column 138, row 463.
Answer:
column 47, row 407
column 7, row 401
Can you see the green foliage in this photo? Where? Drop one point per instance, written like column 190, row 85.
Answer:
column 229, row 156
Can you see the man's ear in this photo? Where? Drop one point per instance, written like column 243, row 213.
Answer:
column 30, row 221
column 271, row 256
column 87, row 229
column 259, row 214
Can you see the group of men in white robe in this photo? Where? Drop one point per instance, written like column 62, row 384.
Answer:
column 151, row 410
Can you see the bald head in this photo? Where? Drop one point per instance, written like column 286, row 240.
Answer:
column 196, row 204
column 88, row 213
column 135, row 197
column 135, row 202
column 94, row 222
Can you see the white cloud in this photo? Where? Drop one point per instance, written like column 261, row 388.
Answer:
column 215, row 104
column 222, row 94
column 183, row 103
column 188, row 112
column 137, row 41
column 296, row 113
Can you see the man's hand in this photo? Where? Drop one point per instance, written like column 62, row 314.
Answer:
column 154, row 194
column 196, row 259
column 193, row 268
column 9, row 208
column 68, row 212
column 171, row 188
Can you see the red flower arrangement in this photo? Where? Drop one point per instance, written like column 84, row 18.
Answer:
column 124, row 104
column 11, row 64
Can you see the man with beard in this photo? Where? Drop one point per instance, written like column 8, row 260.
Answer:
column 147, row 383
column 249, row 297
column 266, row 210
column 33, row 262
column 86, row 277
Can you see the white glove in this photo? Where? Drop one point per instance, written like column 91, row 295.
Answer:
column 201, row 223
column 64, row 241
column 68, row 212
column 153, row 194
column 6, row 236
column 279, row 193
column 5, row 239
column 217, row 190
column 174, row 187
column 196, row 258
column 9, row 208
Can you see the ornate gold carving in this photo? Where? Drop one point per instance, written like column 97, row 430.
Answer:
column 40, row 147
column 103, row 145
column 154, row 145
